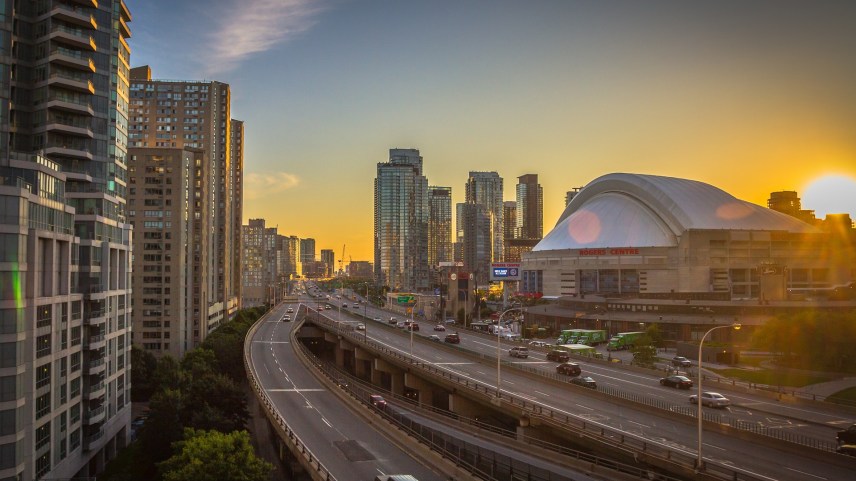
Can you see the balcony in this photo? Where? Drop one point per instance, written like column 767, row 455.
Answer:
column 69, row 82
column 123, row 28
column 74, row 14
column 76, row 152
column 96, row 366
column 96, row 317
column 79, row 129
column 95, row 416
column 90, row 442
column 87, row 3
column 95, row 342
column 74, row 37
column 71, row 58
column 69, row 104
column 95, row 391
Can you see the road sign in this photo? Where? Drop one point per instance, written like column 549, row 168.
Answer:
column 406, row 299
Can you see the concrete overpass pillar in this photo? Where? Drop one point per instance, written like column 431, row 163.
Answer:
column 363, row 359
column 462, row 406
column 423, row 388
column 395, row 373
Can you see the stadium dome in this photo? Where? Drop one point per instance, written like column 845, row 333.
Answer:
column 635, row 210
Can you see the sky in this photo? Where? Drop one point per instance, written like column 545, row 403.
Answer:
column 751, row 97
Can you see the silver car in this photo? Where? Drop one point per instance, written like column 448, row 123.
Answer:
column 712, row 399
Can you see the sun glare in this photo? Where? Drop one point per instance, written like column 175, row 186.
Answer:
column 831, row 194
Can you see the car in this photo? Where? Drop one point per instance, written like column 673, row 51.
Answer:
column 680, row 382
column 681, row 361
column 392, row 320
column 434, row 337
column 453, row 338
column 286, row 318
column 355, row 306
column 440, row 327
column 518, row 351
column 377, row 401
column 585, row 381
column 450, row 321
column 377, row 319
column 848, row 449
column 344, row 304
column 537, row 343
column 413, row 326
column 569, row 369
column 846, row 436
column 400, row 325
column 712, row 399
column 558, row 355
column 328, row 307
column 361, row 327
column 290, row 310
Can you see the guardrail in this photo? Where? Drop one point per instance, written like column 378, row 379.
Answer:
column 304, row 455
column 477, row 460
column 680, row 459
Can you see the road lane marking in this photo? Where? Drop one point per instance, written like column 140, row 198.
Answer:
column 327, row 422
column 803, row 472
column 714, row 447
column 638, row 424
column 542, row 393
column 297, row 390
column 585, row 407
column 453, row 363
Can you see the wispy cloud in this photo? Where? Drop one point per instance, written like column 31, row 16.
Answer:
column 257, row 186
column 254, row 26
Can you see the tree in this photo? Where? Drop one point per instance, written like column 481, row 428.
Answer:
column 199, row 362
column 143, row 366
column 214, row 456
column 653, row 332
column 168, row 374
column 644, row 353
column 163, row 427
column 214, row 401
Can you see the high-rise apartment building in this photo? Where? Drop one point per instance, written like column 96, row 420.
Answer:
column 787, row 202
column 401, row 222
column 260, row 270
column 509, row 230
column 569, row 195
column 236, row 198
column 169, row 275
column 476, row 246
column 439, row 225
column 64, row 239
column 328, row 257
column 529, row 223
column 485, row 188
column 196, row 114
column 290, row 247
column 307, row 256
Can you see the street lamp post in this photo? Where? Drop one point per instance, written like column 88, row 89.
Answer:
column 736, row 326
column 499, row 349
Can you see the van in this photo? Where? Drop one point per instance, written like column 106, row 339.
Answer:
column 519, row 351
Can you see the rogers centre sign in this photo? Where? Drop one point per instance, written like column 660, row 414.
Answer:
column 622, row 251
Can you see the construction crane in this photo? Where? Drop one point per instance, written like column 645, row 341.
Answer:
column 342, row 261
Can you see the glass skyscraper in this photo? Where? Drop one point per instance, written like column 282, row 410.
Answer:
column 401, row 222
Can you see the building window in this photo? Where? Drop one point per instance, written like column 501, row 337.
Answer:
column 43, row 375
column 43, row 345
column 43, row 405
column 43, row 435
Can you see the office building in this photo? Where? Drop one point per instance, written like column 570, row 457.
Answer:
column 529, row 223
column 439, row 225
column 170, row 291
column 196, row 114
column 64, row 238
column 401, row 222
column 485, row 188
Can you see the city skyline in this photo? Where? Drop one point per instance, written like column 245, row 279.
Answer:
column 749, row 98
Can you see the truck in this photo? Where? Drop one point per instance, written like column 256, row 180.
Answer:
column 569, row 336
column 591, row 337
column 623, row 340
column 582, row 350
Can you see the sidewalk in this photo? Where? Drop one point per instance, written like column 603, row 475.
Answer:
column 829, row 388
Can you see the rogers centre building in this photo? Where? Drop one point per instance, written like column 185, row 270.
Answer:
column 645, row 236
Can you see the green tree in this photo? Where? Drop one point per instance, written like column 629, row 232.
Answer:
column 821, row 340
column 163, row 427
column 199, row 362
column 214, row 456
column 654, row 333
column 143, row 366
column 214, row 401
column 644, row 352
column 168, row 374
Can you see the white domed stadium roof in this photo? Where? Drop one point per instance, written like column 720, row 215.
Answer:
column 635, row 210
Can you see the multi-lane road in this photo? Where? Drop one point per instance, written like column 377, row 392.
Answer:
column 764, row 460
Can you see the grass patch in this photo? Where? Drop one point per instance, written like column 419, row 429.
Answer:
column 846, row 397
column 774, row 378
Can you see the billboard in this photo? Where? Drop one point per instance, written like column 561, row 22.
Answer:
column 505, row 271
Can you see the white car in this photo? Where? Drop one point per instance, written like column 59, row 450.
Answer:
column 290, row 310
column 712, row 399
column 377, row 318
column 537, row 343
column 361, row 327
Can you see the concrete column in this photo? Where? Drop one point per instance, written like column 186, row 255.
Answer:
column 463, row 406
column 361, row 358
column 422, row 387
